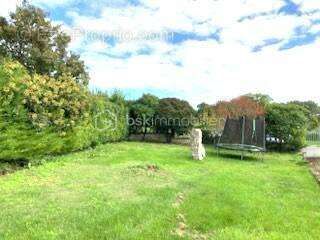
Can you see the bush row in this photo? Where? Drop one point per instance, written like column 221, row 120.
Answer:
column 40, row 115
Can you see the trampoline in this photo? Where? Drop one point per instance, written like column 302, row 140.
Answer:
column 243, row 134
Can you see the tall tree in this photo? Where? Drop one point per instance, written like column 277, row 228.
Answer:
column 313, row 113
column 174, row 116
column 263, row 99
column 30, row 38
column 208, row 120
column 142, row 113
column 312, row 106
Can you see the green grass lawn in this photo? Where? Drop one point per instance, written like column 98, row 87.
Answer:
column 150, row 191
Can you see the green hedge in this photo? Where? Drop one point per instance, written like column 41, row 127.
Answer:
column 56, row 117
column 287, row 124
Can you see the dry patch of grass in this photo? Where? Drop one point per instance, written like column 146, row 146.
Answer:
column 182, row 229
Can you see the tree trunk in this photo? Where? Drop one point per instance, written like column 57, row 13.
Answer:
column 169, row 136
column 144, row 133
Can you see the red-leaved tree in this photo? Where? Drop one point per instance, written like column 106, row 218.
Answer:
column 238, row 107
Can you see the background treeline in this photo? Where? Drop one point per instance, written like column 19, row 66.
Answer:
column 169, row 116
column 286, row 123
column 45, row 105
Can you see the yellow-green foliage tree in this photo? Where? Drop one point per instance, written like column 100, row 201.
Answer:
column 45, row 105
column 60, row 103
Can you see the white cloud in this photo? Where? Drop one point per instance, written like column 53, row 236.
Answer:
column 204, row 70
column 211, row 71
column 308, row 5
column 254, row 32
column 50, row 3
column 8, row 6
column 201, row 17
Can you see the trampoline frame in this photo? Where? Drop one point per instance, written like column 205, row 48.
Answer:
column 241, row 146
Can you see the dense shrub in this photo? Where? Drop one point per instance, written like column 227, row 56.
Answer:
column 109, row 116
column 286, row 126
column 141, row 114
column 40, row 115
column 174, row 117
column 58, row 102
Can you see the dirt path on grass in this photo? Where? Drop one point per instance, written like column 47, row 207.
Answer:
column 182, row 229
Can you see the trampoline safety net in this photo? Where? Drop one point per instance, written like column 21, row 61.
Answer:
column 244, row 134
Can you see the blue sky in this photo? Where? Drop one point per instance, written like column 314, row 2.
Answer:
column 198, row 50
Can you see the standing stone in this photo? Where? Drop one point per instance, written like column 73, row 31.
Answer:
column 198, row 151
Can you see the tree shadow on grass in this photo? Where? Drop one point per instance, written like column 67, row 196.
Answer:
column 236, row 155
column 7, row 167
column 301, row 163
